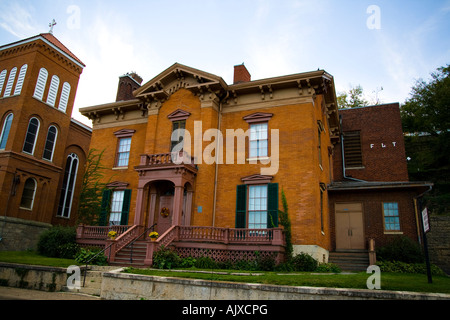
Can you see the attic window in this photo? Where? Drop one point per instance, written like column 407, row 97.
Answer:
column 352, row 149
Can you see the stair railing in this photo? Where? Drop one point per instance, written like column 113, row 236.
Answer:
column 137, row 238
column 95, row 256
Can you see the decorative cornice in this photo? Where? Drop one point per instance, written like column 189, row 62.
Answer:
column 258, row 117
column 179, row 115
column 257, row 179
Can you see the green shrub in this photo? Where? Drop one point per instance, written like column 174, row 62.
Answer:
column 85, row 255
column 266, row 263
column 166, row 258
column 403, row 267
column 58, row 242
column 328, row 267
column 188, row 262
column 303, row 262
column 205, row 263
column 401, row 248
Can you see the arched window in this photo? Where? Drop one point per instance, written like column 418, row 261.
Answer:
column 19, row 84
column 5, row 131
column 30, row 138
column 2, row 80
column 53, row 91
column 68, row 186
column 28, row 194
column 9, row 85
column 65, row 93
column 50, row 143
column 40, row 84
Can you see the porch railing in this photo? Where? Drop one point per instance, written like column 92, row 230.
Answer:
column 99, row 232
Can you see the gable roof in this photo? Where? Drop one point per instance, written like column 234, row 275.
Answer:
column 51, row 40
column 176, row 76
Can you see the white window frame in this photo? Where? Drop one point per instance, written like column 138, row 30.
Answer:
column 259, row 135
column 4, row 133
column 123, row 150
column 115, row 216
column 33, row 197
column 35, row 137
column 54, row 144
column 65, row 195
column 258, row 202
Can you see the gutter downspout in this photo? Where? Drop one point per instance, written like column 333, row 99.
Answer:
column 218, row 153
column 343, row 156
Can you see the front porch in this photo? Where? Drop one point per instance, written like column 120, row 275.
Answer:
column 220, row 244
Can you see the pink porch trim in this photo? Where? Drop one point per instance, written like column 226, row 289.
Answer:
column 217, row 243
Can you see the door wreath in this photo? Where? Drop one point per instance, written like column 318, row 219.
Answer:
column 165, row 212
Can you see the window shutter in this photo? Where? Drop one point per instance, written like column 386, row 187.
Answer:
column 272, row 216
column 19, row 85
column 105, row 207
column 9, row 84
column 53, row 91
column 2, row 80
column 64, row 97
column 241, row 206
column 125, row 208
column 40, row 84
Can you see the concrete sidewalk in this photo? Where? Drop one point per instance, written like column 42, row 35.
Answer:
column 8, row 293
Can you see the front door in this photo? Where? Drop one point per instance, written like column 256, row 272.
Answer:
column 349, row 226
column 164, row 223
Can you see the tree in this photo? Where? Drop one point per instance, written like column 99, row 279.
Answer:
column 426, row 119
column 428, row 108
column 285, row 221
column 91, row 190
column 352, row 99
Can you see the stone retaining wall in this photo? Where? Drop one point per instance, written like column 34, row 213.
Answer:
column 32, row 277
column 439, row 242
column 124, row 286
column 19, row 235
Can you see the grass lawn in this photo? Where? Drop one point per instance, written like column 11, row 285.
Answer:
column 33, row 258
column 389, row 281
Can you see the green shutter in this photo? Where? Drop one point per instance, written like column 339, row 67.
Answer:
column 125, row 208
column 106, row 199
column 241, row 206
column 272, row 217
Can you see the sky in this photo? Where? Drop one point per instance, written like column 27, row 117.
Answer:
column 384, row 46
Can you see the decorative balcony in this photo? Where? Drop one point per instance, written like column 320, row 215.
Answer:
column 166, row 160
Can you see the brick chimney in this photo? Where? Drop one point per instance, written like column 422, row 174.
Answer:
column 127, row 84
column 241, row 74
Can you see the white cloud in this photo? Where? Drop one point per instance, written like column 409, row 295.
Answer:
column 18, row 20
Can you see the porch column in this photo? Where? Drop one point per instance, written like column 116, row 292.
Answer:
column 188, row 208
column 177, row 205
column 138, row 216
column 151, row 210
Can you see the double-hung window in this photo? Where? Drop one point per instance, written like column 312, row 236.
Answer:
column 257, row 207
column 177, row 137
column 259, row 140
column 391, row 216
column 115, row 207
column 123, row 152
column 29, row 191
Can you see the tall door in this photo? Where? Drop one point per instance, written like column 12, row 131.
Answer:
column 349, row 226
column 164, row 223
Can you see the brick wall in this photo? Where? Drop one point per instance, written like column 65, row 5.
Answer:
column 382, row 143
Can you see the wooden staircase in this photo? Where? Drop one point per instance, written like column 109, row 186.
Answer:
column 356, row 261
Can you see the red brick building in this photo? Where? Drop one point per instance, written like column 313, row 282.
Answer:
column 42, row 149
column 338, row 201
column 371, row 196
